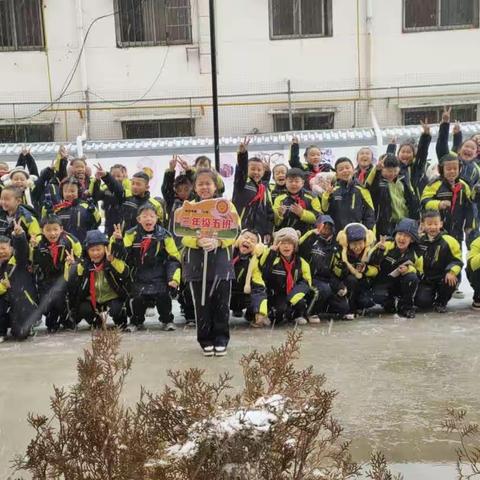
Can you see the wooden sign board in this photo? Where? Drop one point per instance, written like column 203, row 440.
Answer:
column 208, row 218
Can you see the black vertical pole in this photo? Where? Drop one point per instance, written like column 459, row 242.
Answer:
column 213, row 56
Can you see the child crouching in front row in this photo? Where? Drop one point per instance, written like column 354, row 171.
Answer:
column 287, row 278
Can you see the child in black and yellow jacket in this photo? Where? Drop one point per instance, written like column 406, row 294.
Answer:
column 287, row 279
column 212, row 314
column 399, row 267
column 352, row 267
column 318, row 247
column 392, row 195
column 473, row 271
column 50, row 251
column 297, row 208
column 251, row 195
column 78, row 216
column 97, row 283
column 451, row 196
column 152, row 255
column 441, row 264
column 248, row 289
column 18, row 294
column 348, row 201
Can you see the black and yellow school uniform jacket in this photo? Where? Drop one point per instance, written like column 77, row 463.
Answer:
column 341, row 270
column 131, row 203
column 22, row 293
column 252, row 201
column 78, row 217
column 111, row 281
column 172, row 202
column 276, row 190
column 310, row 170
column 153, row 259
column 275, row 276
column 110, row 203
column 439, row 256
column 49, row 260
column 460, row 215
column 311, row 209
column 473, row 258
column 27, row 220
column 240, row 264
column 219, row 261
column 319, row 253
column 393, row 201
column 416, row 173
column 392, row 257
column 349, row 203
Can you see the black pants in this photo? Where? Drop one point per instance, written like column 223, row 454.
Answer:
column 186, row 302
column 474, row 279
column 325, row 300
column 403, row 288
column 140, row 303
column 115, row 308
column 53, row 303
column 280, row 310
column 212, row 318
column 359, row 293
column 19, row 314
column 434, row 292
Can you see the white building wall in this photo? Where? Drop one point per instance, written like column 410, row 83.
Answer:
column 248, row 61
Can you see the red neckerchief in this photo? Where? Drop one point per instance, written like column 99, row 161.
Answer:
column 93, row 296
column 361, row 175
column 313, row 173
column 299, row 200
column 144, row 246
column 259, row 195
column 62, row 205
column 289, row 266
column 235, row 259
column 455, row 190
column 54, row 247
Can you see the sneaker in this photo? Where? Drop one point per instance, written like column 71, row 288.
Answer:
column 125, row 328
column 33, row 332
column 169, row 327
column 349, row 316
column 139, row 328
column 475, row 305
column 190, row 323
column 220, row 351
column 300, row 321
column 2, row 338
column 437, row 307
column 408, row 313
column 458, row 294
column 314, row 319
column 208, row 351
column 238, row 313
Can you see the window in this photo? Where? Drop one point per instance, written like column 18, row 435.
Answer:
column 439, row 14
column 26, row 133
column 21, row 25
column 300, row 18
column 303, row 121
column 169, row 128
column 462, row 113
column 153, row 22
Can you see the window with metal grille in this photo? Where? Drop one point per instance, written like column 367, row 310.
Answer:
column 419, row 15
column 303, row 121
column 462, row 113
column 169, row 128
column 31, row 133
column 21, row 25
column 300, row 18
column 152, row 22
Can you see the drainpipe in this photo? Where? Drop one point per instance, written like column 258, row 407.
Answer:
column 83, row 66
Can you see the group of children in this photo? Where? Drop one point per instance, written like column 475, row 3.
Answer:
column 318, row 240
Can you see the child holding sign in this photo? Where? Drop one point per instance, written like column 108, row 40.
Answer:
column 215, row 255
